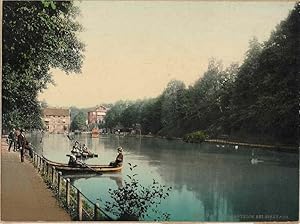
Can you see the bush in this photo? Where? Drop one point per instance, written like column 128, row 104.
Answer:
column 195, row 137
column 133, row 201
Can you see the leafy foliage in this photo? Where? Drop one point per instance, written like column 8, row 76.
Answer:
column 133, row 201
column 151, row 116
column 195, row 137
column 113, row 116
column 266, row 94
column 256, row 101
column 78, row 122
column 171, row 102
column 37, row 36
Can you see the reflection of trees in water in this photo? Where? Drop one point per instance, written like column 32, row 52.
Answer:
column 224, row 180
column 35, row 139
column 228, row 184
column 117, row 178
column 128, row 143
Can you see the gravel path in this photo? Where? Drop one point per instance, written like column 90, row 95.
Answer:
column 24, row 195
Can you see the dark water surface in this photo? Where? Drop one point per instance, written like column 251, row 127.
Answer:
column 209, row 182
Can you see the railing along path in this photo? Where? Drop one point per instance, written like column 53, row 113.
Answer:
column 75, row 202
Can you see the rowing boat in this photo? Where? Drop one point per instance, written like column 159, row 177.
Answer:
column 82, row 155
column 83, row 169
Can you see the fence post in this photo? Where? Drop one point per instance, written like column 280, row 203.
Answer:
column 37, row 161
column 79, row 206
column 58, row 182
column 53, row 170
column 45, row 167
column 96, row 207
column 34, row 155
column 68, row 192
column 47, row 170
column 39, row 164
column 42, row 165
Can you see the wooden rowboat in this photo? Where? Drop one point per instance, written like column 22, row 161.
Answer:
column 81, row 155
column 65, row 168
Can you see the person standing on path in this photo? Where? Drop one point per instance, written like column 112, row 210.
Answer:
column 21, row 143
column 12, row 140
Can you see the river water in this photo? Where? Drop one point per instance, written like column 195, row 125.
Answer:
column 209, row 182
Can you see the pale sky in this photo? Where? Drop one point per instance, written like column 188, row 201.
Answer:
column 133, row 49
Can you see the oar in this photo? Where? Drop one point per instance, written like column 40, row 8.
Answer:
column 84, row 164
column 69, row 137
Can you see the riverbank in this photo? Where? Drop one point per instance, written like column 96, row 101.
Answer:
column 24, row 195
column 265, row 146
column 276, row 147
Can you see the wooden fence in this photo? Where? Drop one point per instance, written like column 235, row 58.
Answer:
column 70, row 197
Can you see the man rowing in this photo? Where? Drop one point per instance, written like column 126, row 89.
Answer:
column 73, row 161
column 85, row 151
column 76, row 148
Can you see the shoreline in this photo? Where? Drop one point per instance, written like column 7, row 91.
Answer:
column 255, row 145
column 276, row 147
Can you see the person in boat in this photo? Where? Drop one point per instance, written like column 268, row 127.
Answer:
column 119, row 159
column 74, row 161
column 85, row 150
column 76, row 148
column 77, row 145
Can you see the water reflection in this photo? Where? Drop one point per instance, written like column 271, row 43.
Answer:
column 228, row 184
column 117, row 178
column 209, row 183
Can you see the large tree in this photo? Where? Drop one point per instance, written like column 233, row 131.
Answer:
column 37, row 36
column 151, row 116
column 113, row 116
column 266, row 94
column 257, row 101
column 172, row 103
column 203, row 105
column 78, row 122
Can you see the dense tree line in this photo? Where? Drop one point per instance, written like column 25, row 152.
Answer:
column 256, row 101
column 37, row 36
column 78, row 122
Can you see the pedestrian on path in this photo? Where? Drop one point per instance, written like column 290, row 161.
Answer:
column 12, row 140
column 28, row 147
column 21, row 143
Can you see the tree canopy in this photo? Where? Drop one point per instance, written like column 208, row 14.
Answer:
column 78, row 122
column 256, row 101
column 37, row 36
